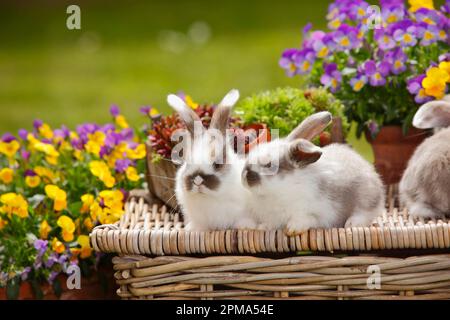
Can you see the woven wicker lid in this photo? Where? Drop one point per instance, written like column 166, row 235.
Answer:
column 151, row 229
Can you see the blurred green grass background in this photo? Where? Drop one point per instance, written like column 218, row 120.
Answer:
column 134, row 53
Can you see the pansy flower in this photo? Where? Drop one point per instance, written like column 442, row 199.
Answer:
column 376, row 73
column 435, row 82
column 397, row 59
column 304, row 60
column 32, row 179
column 287, row 62
column 428, row 33
column 407, row 37
column 392, row 12
column 419, row 4
column 346, row 38
column 358, row 82
column 384, row 40
column 332, row 77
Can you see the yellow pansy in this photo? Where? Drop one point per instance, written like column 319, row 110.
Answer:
column 137, row 153
column 418, row 4
column 88, row 200
column 52, row 160
column 9, row 148
column 44, row 229
column 32, row 181
column 435, row 82
column 88, row 223
column 445, row 66
column 132, row 174
column 154, row 112
column 45, row 173
column 67, row 226
column 86, row 249
column 45, row 131
column 190, row 102
column 6, row 175
column 46, row 148
column 13, row 203
column 101, row 170
column 121, row 121
column 95, row 142
column 58, row 246
column 58, row 196
column 95, row 209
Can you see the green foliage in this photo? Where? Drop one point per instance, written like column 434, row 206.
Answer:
column 285, row 108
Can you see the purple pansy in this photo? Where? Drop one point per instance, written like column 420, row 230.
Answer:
column 358, row 82
column 384, row 40
column 397, row 59
column 37, row 123
column 41, row 246
column 121, row 165
column 23, row 134
column 414, row 87
column 393, row 12
column 287, row 61
column 304, row 60
column 332, row 77
column 114, row 110
column 29, row 173
column 8, row 137
column 376, row 73
column 407, row 37
column 25, row 155
column 428, row 33
column 346, row 38
column 145, row 110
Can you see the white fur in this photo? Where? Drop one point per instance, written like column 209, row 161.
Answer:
column 223, row 207
column 295, row 201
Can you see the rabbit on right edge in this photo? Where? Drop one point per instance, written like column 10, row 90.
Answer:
column 425, row 186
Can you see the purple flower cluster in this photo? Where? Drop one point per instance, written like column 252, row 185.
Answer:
column 355, row 53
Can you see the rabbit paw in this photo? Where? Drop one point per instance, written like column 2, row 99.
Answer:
column 293, row 230
column 358, row 221
column 246, row 224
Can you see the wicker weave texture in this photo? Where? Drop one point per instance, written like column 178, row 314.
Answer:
column 153, row 230
column 302, row 277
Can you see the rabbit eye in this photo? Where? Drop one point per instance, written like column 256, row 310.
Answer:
column 267, row 165
column 217, row 166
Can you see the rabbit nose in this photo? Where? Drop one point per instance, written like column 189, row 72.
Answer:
column 197, row 180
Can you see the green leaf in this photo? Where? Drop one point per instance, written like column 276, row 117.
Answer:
column 75, row 207
column 13, row 288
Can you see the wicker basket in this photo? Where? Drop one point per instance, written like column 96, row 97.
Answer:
column 161, row 175
column 158, row 259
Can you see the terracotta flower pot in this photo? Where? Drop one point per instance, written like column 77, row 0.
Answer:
column 392, row 150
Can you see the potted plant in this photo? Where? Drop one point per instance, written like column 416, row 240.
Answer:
column 55, row 186
column 382, row 66
column 285, row 108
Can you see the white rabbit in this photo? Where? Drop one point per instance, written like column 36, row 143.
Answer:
column 208, row 184
column 297, row 186
column 425, row 185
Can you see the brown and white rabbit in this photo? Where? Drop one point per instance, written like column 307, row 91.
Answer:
column 208, row 184
column 425, row 185
column 296, row 185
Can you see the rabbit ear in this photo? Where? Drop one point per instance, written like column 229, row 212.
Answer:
column 311, row 126
column 302, row 152
column 221, row 115
column 433, row 114
column 188, row 115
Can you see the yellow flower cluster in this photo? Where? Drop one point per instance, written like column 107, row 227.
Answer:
column 9, row 149
column 58, row 196
column 107, row 208
column 13, row 203
column 101, row 170
column 435, row 83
